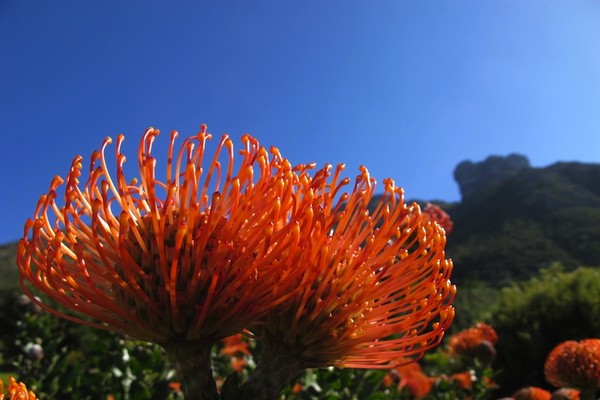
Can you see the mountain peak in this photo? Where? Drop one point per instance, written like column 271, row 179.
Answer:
column 473, row 177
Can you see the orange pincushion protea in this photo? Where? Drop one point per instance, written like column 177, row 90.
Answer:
column 195, row 257
column 414, row 379
column 16, row 391
column 375, row 285
column 436, row 214
column 566, row 394
column 531, row 393
column 463, row 379
column 477, row 342
column 574, row 364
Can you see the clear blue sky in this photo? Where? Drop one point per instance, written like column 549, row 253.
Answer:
column 407, row 88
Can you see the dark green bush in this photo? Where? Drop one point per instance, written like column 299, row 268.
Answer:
column 533, row 317
column 473, row 302
column 58, row 359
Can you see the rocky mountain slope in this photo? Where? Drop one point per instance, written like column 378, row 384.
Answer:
column 515, row 219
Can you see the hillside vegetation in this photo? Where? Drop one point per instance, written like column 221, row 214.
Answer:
column 508, row 226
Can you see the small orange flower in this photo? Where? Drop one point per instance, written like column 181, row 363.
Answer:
column 235, row 345
column 436, row 214
column 238, row 363
column 463, row 379
column 476, row 342
column 565, row 394
column 388, row 380
column 412, row 378
column 531, row 393
column 196, row 255
column 297, row 388
column 574, row 364
column 175, row 386
column 16, row 391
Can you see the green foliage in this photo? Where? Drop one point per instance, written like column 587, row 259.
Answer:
column 443, row 365
column 473, row 302
column 511, row 229
column 342, row 384
column 535, row 316
column 9, row 284
column 515, row 250
column 579, row 232
column 60, row 360
column 80, row 362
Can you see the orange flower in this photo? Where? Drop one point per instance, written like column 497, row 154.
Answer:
column 565, row 394
column 388, row 380
column 374, row 285
column 16, row 391
column 297, row 388
column 412, row 377
column 235, row 345
column 175, row 386
column 574, row 364
column 196, row 256
column 463, row 379
column 436, row 214
column 476, row 342
column 198, row 253
column 531, row 393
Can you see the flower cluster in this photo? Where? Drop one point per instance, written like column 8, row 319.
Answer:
column 210, row 247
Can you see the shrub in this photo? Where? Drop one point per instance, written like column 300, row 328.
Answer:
column 533, row 317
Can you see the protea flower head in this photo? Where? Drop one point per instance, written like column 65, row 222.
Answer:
column 414, row 380
column 196, row 255
column 475, row 342
column 531, row 393
column 437, row 214
column 16, row 391
column 575, row 364
column 566, row 394
column 375, row 284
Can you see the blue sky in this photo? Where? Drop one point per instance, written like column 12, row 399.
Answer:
column 407, row 88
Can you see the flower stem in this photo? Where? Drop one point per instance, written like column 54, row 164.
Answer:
column 193, row 368
column 274, row 372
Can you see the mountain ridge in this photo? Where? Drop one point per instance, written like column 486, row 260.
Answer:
column 509, row 226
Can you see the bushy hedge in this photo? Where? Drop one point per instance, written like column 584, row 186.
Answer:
column 531, row 318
